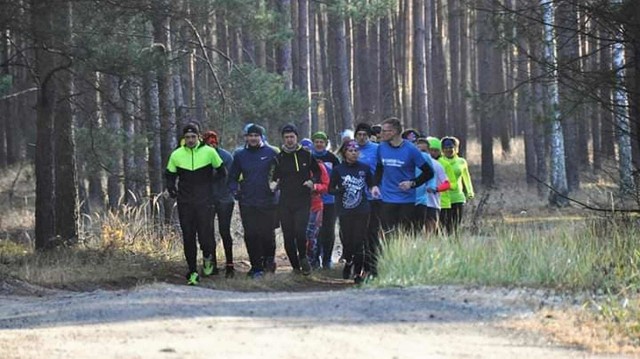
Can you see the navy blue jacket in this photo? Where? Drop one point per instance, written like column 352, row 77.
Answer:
column 249, row 176
column 221, row 192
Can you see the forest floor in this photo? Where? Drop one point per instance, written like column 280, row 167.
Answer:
column 321, row 316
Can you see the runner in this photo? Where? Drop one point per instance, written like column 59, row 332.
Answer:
column 369, row 156
column 316, row 211
column 295, row 174
column 395, row 177
column 189, row 177
column 249, row 181
column 222, row 205
column 350, row 182
column 463, row 188
column 428, row 195
column 327, row 236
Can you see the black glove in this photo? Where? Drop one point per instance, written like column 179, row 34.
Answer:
column 173, row 192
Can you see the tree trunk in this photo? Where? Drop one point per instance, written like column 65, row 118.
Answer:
column 407, row 47
column 364, row 72
column 41, row 19
column 621, row 111
column 455, row 88
column 557, row 196
column 342, row 67
column 66, row 181
column 386, row 70
column 130, row 171
column 314, row 67
column 152, row 109
column 440, row 68
column 284, row 48
column 304, row 74
column 113, row 121
column 420, row 119
column 486, row 55
column 568, row 70
column 373, row 67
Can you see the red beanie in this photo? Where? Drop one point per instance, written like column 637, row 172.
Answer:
column 210, row 138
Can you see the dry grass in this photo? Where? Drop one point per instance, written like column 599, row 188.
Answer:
column 580, row 327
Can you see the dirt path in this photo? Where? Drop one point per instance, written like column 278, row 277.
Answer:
column 172, row 321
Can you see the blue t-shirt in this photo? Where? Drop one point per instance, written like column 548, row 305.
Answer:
column 399, row 164
column 369, row 157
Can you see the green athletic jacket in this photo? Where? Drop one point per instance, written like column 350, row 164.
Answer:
column 462, row 179
column 445, row 200
column 193, row 168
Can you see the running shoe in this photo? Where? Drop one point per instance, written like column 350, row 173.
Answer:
column 257, row 274
column 269, row 265
column 346, row 271
column 193, row 278
column 208, row 266
column 305, row 266
column 229, row 271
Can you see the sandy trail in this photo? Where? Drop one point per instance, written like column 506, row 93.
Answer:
column 171, row 321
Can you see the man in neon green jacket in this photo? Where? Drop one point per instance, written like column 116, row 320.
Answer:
column 190, row 175
column 461, row 186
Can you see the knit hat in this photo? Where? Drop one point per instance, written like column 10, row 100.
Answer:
column 254, row 129
column 422, row 140
column 410, row 135
column 449, row 142
column 351, row 144
column 189, row 129
column 306, row 143
column 320, row 136
column 363, row 126
column 434, row 143
column 289, row 128
column 210, row 138
column 346, row 135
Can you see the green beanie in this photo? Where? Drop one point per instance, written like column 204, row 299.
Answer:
column 320, row 136
column 434, row 143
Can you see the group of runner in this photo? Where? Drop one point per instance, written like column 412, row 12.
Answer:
column 380, row 179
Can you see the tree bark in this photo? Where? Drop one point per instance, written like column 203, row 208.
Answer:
column 486, row 55
column 113, row 121
column 284, row 49
column 387, row 84
column 559, row 184
column 66, row 181
column 420, row 119
column 568, row 70
column 342, row 70
column 621, row 111
column 304, row 58
column 41, row 16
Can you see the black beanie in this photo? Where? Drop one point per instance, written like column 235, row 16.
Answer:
column 363, row 126
column 189, row 129
column 255, row 129
column 289, row 128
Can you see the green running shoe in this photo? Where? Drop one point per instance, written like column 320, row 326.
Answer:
column 193, row 278
column 208, row 267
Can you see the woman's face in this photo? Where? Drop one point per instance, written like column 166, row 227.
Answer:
column 351, row 155
column 448, row 151
column 319, row 144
